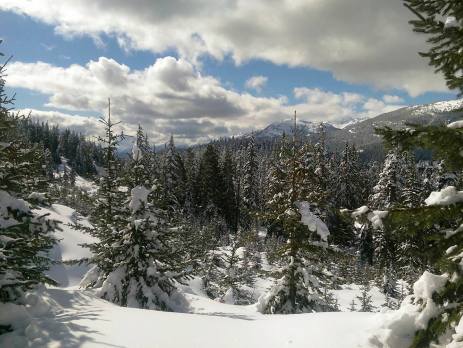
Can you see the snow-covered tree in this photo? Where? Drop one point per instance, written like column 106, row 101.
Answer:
column 298, row 289
column 411, row 191
column 25, row 235
column 144, row 261
column 437, row 299
column 249, row 195
column 174, row 177
column 348, row 182
column 365, row 301
column 109, row 215
column 387, row 192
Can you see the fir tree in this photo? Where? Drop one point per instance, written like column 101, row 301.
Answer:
column 25, row 236
column 249, row 194
column 411, row 192
column 298, row 289
column 441, row 222
column 109, row 216
column 442, row 22
column 387, row 192
column 365, row 302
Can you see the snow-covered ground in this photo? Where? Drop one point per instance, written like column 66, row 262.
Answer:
column 70, row 317
column 68, row 247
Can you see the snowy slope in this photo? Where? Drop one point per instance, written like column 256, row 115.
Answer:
column 68, row 247
column 72, row 317
column 82, row 320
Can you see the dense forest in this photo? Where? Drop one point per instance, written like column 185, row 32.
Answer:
column 234, row 212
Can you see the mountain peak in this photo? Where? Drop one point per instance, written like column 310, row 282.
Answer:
column 279, row 128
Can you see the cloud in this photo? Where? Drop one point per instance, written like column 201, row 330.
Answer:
column 392, row 99
column 359, row 41
column 256, row 82
column 172, row 96
column 88, row 126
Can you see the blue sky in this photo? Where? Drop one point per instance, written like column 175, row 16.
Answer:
column 196, row 80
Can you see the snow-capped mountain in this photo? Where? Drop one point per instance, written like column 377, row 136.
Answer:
column 277, row 129
column 363, row 133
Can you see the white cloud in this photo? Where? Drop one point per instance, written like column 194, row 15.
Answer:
column 256, row 82
column 392, row 99
column 171, row 96
column 359, row 41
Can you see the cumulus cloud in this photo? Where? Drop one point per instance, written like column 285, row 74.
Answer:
column 359, row 41
column 256, row 82
column 171, row 96
column 392, row 99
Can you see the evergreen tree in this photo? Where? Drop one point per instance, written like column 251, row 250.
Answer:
column 442, row 21
column 229, row 204
column 387, row 192
column 109, row 215
column 236, row 274
column 249, row 193
column 364, row 299
column 348, row 184
column 298, row 289
column 25, row 236
column 411, row 192
column 440, row 220
column 209, row 183
column 174, row 177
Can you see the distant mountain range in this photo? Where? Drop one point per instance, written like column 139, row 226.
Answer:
column 362, row 132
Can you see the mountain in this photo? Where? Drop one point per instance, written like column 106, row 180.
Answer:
column 363, row 133
column 277, row 129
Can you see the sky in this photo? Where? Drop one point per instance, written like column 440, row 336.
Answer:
column 211, row 68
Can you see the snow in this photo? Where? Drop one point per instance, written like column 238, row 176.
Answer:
column 451, row 22
column 455, row 125
column 375, row 217
column 136, row 152
column 68, row 247
column 313, row 222
column 446, row 196
column 428, row 284
column 84, row 320
column 139, row 197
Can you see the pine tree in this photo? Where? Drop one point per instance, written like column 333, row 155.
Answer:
column 388, row 190
column 174, row 177
column 352, row 307
column 249, row 194
column 298, row 289
column 366, row 304
column 441, row 219
column 228, row 201
column 441, row 222
column 236, row 274
column 25, row 236
column 147, row 262
column 138, row 258
column 442, row 21
column 109, row 215
column 209, row 183
column 348, row 184
column 411, row 192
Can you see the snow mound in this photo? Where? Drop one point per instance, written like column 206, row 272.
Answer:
column 455, row 125
column 428, row 284
column 446, row 196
